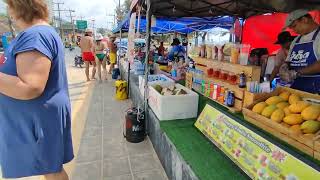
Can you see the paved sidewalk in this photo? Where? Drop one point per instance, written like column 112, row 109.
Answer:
column 104, row 154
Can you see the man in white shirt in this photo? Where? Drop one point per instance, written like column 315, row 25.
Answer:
column 304, row 53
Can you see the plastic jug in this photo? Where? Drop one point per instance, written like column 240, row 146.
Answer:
column 244, row 54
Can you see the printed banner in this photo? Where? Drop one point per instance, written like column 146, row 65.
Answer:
column 131, row 37
column 256, row 156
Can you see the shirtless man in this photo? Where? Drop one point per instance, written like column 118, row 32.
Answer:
column 112, row 52
column 87, row 51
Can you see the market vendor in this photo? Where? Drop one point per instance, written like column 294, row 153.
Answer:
column 304, row 53
column 176, row 51
column 284, row 40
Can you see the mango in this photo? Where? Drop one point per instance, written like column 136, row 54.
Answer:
column 310, row 127
column 258, row 108
column 282, row 105
column 267, row 112
column 293, row 119
column 296, row 129
column 277, row 115
column 287, row 111
column 294, row 98
column 285, row 125
column 285, row 95
column 274, row 100
column 311, row 113
column 298, row 106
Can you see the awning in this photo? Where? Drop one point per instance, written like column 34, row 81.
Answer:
column 239, row 8
column 180, row 25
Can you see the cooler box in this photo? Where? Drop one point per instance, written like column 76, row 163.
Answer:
column 160, row 79
column 174, row 106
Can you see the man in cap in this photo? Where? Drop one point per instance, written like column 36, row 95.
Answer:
column 87, row 51
column 304, row 53
column 284, row 40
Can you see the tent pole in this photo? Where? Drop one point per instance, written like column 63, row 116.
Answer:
column 146, row 70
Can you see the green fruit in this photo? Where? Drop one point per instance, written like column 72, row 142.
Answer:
column 310, row 127
column 158, row 88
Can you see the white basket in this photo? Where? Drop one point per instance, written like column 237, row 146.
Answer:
column 160, row 79
column 175, row 106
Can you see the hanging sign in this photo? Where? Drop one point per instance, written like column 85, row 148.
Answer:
column 256, row 156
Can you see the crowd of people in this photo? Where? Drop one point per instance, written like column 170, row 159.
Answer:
column 98, row 53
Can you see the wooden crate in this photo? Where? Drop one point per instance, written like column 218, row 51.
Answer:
column 250, row 98
column 189, row 80
column 303, row 142
column 252, row 72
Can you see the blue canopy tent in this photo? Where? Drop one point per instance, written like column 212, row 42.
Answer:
column 180, row 25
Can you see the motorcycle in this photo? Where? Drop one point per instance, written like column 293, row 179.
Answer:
column 78, row 61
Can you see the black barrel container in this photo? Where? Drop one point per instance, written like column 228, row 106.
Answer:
column 135, row 125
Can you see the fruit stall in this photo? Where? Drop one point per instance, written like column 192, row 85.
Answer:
column 222, row 123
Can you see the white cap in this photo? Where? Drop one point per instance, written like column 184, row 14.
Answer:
column 99, row 37
column 294, row 15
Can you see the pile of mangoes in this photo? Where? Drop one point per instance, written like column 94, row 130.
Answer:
column 291, row 111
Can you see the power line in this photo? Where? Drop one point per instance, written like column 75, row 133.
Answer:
column 59, row 12
column 72, row 23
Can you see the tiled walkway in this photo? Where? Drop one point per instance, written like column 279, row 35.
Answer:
column 104, row 153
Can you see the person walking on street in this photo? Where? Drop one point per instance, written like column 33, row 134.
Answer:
column 35, row 110
column 101, row 57
column 87, row 51
column 112, row 52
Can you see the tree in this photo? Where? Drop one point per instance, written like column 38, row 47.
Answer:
column 123, row 10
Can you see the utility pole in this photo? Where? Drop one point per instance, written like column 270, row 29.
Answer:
column 114, row 18
column 72, row 23
column 59, row 12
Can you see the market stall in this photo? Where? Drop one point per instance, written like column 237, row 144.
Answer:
column 253, row 135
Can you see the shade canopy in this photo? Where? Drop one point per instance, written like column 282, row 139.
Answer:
column 239, row 8
column 181, row 25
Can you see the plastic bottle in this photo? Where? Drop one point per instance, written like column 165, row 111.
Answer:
column 243, row 80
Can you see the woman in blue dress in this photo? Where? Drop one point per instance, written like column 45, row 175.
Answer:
column 35, row 122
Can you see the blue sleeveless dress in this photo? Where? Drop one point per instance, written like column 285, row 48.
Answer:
column 35, row 135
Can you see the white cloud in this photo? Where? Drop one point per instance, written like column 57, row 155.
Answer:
column 93, row 9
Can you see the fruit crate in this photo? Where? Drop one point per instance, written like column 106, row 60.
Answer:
column 304, row 142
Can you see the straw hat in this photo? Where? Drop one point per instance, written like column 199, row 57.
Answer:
column 88, row 31
column 112, row 36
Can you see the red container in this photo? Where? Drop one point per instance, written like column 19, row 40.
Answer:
column 216, row 73
column 210, row 72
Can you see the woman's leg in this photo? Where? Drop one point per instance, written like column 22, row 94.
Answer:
column 57, row 176
column 87, row 70
column 94, row 70
column 104, row 67
column 99, row 69
column 111, row 68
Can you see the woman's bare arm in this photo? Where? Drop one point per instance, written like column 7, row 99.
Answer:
column 33, row 72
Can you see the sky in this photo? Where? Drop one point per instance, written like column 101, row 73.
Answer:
column 101, row 11
column 89, row 9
